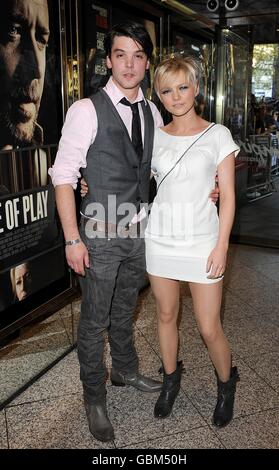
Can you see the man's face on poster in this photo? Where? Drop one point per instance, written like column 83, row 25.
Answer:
column 24, row 34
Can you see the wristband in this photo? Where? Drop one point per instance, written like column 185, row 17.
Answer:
column 72, row 242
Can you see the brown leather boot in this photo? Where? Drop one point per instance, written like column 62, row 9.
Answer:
column 98, row 421
column 136, row 380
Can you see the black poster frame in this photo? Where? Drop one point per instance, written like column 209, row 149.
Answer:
column 29, row 237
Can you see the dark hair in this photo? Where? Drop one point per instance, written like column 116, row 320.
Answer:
column 132, row 30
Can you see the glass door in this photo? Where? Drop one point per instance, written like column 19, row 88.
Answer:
column 243, row 73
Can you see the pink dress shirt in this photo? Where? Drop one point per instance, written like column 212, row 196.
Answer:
column 80, row 129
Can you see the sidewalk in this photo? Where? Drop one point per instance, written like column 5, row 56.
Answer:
column 50, row 413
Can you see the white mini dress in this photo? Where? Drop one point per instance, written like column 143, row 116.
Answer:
column 183, row 225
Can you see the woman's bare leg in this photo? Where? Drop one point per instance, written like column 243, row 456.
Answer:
column 207, row 303
column 166, row 292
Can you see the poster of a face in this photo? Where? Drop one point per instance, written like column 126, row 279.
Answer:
column 27, row 72
column 30, row 125
column 30, row 92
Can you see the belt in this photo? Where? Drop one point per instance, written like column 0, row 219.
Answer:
column 94, row 225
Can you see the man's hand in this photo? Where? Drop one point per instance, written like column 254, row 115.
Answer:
column 83, row 187
column 77, row 257
column 214, row 195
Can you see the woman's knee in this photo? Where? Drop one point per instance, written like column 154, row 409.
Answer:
column 167, row 314
column 210, row 333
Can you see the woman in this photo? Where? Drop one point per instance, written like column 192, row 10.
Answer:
column 21, row 279
column 184, row 238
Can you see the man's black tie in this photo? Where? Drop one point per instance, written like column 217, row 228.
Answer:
column 136, row 127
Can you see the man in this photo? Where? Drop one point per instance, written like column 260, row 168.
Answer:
column 99, row 135
column 269, row 120
column 24, row 34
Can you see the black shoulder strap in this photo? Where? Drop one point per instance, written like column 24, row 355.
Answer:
column 184, row 153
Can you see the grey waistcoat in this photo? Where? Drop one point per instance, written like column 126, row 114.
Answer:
column 113, row 168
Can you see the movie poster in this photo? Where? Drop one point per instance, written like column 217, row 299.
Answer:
column 31, row 243
column 95, row 26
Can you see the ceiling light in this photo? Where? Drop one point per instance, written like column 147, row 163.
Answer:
column 212, row 5
column 231, row 5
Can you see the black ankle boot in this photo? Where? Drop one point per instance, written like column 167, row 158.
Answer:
column 170, row 389
column 226, row 390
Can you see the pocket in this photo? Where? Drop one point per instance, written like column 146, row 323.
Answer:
column 98, row 244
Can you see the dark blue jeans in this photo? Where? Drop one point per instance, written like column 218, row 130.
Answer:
column 109, row 296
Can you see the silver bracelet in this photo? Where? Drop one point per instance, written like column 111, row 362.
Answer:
column 72, row 242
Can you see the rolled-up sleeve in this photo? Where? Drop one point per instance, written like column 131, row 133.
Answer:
column 158, row 121
column 78, row 133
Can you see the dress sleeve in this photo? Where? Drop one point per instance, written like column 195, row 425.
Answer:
column 226, row 144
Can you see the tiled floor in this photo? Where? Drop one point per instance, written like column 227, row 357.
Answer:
column 50, row 414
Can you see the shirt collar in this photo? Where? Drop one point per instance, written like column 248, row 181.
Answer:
column 116, row 94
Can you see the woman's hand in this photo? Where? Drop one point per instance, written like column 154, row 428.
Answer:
column 83, row 187
column 216, row 262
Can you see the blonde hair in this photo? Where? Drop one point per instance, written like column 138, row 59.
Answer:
column 171, row 66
